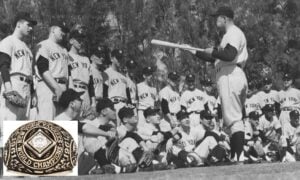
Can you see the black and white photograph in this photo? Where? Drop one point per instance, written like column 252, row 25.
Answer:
column 158, row 89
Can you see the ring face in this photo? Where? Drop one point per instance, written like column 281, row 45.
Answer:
column 40, row 147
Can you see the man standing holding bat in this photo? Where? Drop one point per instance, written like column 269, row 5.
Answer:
column 229, row 58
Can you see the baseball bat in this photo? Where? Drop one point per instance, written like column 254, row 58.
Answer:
column 173, row 45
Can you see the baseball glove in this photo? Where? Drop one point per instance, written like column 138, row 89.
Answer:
column 15, row 99
column 146, row 159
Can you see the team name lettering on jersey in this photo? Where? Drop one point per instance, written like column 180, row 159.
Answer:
column 252, row 106
column 291, row 99
column 174, row 99
column 193, row 99
column 20, row 53
column 114, row 81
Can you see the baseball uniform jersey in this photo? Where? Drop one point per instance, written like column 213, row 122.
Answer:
column 289, row 100
column 172, row 97
column 80, row 73
column 212, row 101
column 20, row 67
column 132, row 89
column 231, row 79
column 117, row 84
column 98, row 82
column 252, row 104
column 269, row 127
column 146, row 98
column 58, row 59
column 268, row 98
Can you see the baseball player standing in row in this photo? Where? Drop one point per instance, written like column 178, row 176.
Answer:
column 193, row 100
column 210, row 98
column 147, row 95
column 98, row 68
column 130, row 74
column 16, row 62
column 253, row 100
column 289, row 99
column 81, row 72
column 52, row 69
column 170, row 99
column 267, row 95
column 115, row 87
column 229, row 58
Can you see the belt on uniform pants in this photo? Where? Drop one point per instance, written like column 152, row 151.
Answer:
column 194, row 112
column 80, row 86
column 287, row 109
column 219, row 68
column 58, row 80
column 118, row 100
column 25, row 79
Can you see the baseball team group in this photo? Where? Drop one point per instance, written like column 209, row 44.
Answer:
column 127, row 125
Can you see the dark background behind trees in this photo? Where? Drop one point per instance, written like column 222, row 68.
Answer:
column 272, row 28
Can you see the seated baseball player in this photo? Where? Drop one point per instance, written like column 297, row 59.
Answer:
column 214, row 146
column 253, row 147
column 71, row 102
column 92, row 141
column 151, row 131
column 291, row 141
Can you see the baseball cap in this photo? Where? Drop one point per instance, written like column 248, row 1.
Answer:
column 251, row 85
column 148, row 70
column 182, row 114
column 117, row 53
column 268, row 108
column 131, row 64
column 267, row 80
column 24, row 16
column 126, row 112
column 77, row 35
column 68, row 96
column 206, row 114
column 60, row 24
column 207, row 82
column 294, row 113
column 287, row 76
column 173, row 76
column 150, row 112
column 104, row 103
column 224, row 11
column 254, row 115
column 190, row 78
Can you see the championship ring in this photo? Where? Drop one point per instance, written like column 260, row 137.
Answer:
column 40, row 147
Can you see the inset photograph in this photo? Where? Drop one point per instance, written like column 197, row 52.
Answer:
column 40, row 148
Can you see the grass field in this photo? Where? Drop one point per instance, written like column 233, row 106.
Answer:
column 271, row 171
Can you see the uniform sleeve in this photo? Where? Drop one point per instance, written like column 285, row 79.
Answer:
column 6, row 46
column 41, row 50
column 277, row 124
column 227, row 54
column 5, row 62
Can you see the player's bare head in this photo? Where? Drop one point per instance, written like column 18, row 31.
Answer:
column 105, row 108
column 152, row 115
column 294, row 116
column 77, row 40
column 183, row 117
column 173, row 79
column 116, row 57
column 207, row 119
column 58, row 31
column 287, row 80
column 224, row 16
column 70, row 99
column 190, row 81
column 128, row 117
column 23, row 23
